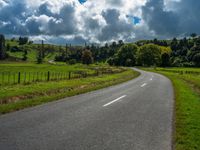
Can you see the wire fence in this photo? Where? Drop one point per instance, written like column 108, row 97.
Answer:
column 7, row 78
column 181, row 72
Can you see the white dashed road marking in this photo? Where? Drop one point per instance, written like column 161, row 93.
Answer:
column 114, row 101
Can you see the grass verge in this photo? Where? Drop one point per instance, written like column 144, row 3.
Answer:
column 23, row 96
column 187, row 109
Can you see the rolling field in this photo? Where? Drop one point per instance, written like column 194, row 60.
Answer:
column 18, row 96
column 186, row 83
column 32, row 50
column 9, row 73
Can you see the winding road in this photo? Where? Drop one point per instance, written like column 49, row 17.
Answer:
column 135, row 115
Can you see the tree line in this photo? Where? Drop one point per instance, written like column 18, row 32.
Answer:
column 184, row 52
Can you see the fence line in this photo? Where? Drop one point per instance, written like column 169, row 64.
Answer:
column 182, row 72
column 31, row 77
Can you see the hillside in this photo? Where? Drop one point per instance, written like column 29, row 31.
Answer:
column 16, row 51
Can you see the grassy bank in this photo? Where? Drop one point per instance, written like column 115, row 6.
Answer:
column 16, row 97
column 187, row 106
column 21, row 73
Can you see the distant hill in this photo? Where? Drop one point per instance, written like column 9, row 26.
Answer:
column 16, row 51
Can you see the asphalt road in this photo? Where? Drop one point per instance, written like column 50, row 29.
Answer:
column 136, row 115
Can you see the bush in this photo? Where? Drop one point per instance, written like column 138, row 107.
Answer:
column 177, row 62
column 129, row 63
column 111, row 62
column 72, row 61
column 188, row 64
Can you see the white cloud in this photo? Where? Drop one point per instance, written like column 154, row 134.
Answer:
column 98, row 21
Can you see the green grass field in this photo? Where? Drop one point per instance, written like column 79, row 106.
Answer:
column 32, row 51
column 30, row 72
column 19, row 96
column 186, row 83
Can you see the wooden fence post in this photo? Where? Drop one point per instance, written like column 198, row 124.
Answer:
column 48, row 76
column 24, row 77
column 2, row 77
column 69, row 75
column 19, row 77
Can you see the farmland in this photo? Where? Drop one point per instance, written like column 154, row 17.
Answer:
column 18, row 96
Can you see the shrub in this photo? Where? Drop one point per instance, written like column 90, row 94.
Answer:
column 72, row 61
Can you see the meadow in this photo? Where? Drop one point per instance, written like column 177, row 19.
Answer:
column 31, row 51
column 18, row 96
column 26, row 73
column 186, row 82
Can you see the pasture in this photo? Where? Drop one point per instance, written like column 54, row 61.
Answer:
column 83, row 79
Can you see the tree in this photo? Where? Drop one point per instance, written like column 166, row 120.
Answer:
column 177, row 62
column 2, row 47
column 23, row 40
column 42, row 49
column 72, row 61
column 165, row 60
column 165, row 50
column 114, row 61
column 196, row 59
column 193, row 35
column 174, row 44
column 7, row 47
column 87, row 57
column 149, row 54
column 25, row 55
column 127, row 55
column 120, row 43
column 110, row 61
column 39, row 57
column 67, row 53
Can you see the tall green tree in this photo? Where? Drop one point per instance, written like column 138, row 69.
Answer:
column 196, row 59
column 193, row 35
column 2, row 47
column 87, row 57
column 127, row 55
column 165, row 60
column 149, row 55
column 40, row 55
column 23, row 40
column 25, row 55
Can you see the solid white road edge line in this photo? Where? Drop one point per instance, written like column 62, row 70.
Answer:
column 143, row 84
column 114, row 101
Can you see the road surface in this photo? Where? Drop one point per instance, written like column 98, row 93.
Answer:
column 136, row 115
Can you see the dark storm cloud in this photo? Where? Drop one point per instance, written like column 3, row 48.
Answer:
column 44, row 9
column 91, row 24
column 13, row 14
column 189, row 11
column 63, row 23
column 43, row 21
column 115, row 27
column 182, row 19
column 67, row 25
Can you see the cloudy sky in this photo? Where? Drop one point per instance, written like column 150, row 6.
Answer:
column 98, row 21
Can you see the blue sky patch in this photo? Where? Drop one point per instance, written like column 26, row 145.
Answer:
column 134, row 19
column 82, row 1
